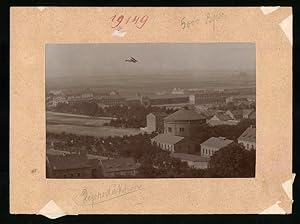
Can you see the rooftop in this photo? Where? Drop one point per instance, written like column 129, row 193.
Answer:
column 209, row 113
column 167, row 139
column 216, row 122
column 248, row 135
column 223, row 117
column 168, row 96
column 217, row 142
column 252, row 115
column 69, row 161
column 184, row 115
column 190, row 157
column 247, row 112
column 237, row 112
column 120, row 164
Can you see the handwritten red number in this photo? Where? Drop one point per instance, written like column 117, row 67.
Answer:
column 136, row 19
column 143, row 20
column 119, row 21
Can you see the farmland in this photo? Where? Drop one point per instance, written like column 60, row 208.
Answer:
column 84, row 125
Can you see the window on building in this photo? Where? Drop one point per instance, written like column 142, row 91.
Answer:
column 206, row 151
column 181, row 129
column 247, row 146
column 169, row 129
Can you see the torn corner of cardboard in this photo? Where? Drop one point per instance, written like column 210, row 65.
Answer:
column 273, row 209
column 287, row 27
column 51, row 210
column 288, row 189
column 268, row 9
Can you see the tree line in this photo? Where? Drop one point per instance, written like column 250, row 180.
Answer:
column 230, row 161
column 133, row 116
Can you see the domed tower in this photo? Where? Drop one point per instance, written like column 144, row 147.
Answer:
column 183, row 123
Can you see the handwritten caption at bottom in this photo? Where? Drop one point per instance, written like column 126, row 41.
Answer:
column 88, row 197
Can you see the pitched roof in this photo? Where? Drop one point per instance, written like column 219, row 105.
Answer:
column 120, row 164
column 190, row 157
column 248, row 135
column 223, row 117
column 252, row 115
column 247, row 112
column 184, row 115
column 68, row 161
column 167, row 139
column 209, row 113
column 237, row 112
column 217, row 142
column 216, row 122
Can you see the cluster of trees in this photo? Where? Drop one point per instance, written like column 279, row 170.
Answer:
column 133, row 116
column 228, row 131
column 230, row 161
column 116, row 146
column 231, row 106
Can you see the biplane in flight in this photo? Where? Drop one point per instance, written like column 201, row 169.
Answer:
column 131, row 60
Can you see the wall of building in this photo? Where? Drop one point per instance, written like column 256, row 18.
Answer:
column 208, row 151
column 247, row 144
column 187, row 146
column 197, row 164
column 182, row 128
column 73, row 173
column 207, row 98
column 171, row 100
column 151, row 123
column 160, row 124
column 155, row 123
column 166, row 147
column 120, row 173
column 201, row 165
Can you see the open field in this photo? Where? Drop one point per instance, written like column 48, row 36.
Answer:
column 92, row 131
column 54, row 118
column 84, row 125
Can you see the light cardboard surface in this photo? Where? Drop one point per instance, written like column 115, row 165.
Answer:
column 32, row 28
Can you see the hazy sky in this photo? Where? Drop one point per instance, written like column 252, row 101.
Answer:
column 106, row 59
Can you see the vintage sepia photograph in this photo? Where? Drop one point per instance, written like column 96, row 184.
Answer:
column 150, row 110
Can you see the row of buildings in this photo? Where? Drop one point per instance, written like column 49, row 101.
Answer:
column 114, row 98
column 178, row 135
column 63, row 164
column 161, row 122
